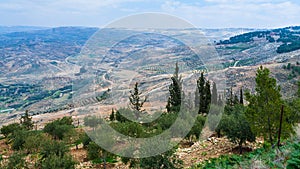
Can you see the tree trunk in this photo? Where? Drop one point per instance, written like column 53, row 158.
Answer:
column 104, row 160
column 280, row 126
column 219, row 133
column 241, row 147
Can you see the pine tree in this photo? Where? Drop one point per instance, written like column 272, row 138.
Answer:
column 26, row 121
column 214, row 96
column 175, row 90
column 264, row 109
column 135, row 101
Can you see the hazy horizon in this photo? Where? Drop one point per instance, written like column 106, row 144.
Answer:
column 82, row 26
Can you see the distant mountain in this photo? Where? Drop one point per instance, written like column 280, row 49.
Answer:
column 22, row 52
column 222, row 34
column 10, row 29
column 289, row 38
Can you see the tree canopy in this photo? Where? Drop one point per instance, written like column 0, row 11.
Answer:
column 264, row 109
column 175, row 90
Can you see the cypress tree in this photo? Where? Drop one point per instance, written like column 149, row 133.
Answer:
column 220, row 102
column 236, row 100
column 112, row 115
column 201, row 93
column 207, row 96
column 241, row 97
column 175, row 90
column 214, row 96
column 204, row 94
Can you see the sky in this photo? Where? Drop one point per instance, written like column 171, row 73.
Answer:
column 201, row 13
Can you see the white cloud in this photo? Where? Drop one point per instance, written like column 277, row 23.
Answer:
column 261, row 15
column 205, row 13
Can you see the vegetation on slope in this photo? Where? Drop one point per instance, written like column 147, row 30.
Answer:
column 289, row 37
column 50, row 147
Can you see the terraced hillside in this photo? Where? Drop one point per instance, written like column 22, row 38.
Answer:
column 40, row 67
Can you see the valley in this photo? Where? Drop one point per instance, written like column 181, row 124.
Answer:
column 86, row 73
column 39, row 67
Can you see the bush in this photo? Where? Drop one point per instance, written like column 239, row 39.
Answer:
column 15, row 161
column 18, row 139
column 54, row 155
column 34, row 142
column 93, row 151
column 52, row 147
column 166, row 120
column 10, row 129
column 197, row 128
column 59, row 128
column 164, row 160
column 92, row 121
column 294, row 161
column 131, row 129
column 55, row 161
column 85, row 139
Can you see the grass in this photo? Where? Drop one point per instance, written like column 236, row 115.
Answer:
column 108, row 160
column 288, row 156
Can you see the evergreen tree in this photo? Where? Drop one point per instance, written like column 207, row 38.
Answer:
column 26, row 121
column 207, row 96
column 220, row 102
column 200, row 93
column 112, row 115
column 230, row 99
column 175, row 90
column 204, row 94
column 119, row 117
column 214, row 96
column 241, row 97
column 233, row 99
column 298, row 93
column 236, row 100
column 136, row 102
column 264, row 110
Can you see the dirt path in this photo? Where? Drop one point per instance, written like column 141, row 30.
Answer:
column 210, row 148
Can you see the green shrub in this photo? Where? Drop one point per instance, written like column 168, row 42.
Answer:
column 59, row 162
column 294, row 161
column 53, row 147
column 59, row 128
column 10, row 129
column 93, row 151
column 16, row 161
